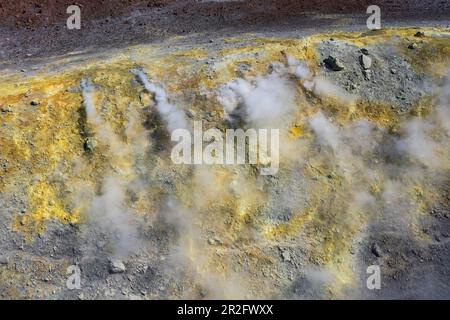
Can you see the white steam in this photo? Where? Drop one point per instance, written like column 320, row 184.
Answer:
column 262, row 101
column 270, row 100
column 326, row 132
column 173, row 116
column 108, row 212
column 87, row 91
column 426, row 140
column 319, row 85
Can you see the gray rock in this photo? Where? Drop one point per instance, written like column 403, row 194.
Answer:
column 412, row 46
column 366, row 61
column 365, row 51
column 90, row 144
column 214, row 241
column 4, row 260
column 334, row 64
column 6, row 109
column 376, row 250
column 419, row 34
column 117, row 266
column 191, row 113
column 286, row 255
column 203, row 292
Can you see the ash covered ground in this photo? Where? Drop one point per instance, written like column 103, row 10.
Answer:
column 87, row 179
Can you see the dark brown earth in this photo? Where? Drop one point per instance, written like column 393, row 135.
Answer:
column 32, row 14
column 38, row 28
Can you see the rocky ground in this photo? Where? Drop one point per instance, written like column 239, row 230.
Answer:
column 104, row 196
column 38, row 28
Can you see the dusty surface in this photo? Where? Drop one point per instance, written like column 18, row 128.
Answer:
column 37, row 29
column 101, row 192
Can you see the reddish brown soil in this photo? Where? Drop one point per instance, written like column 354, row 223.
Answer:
column 32, row 13
column 37, row 28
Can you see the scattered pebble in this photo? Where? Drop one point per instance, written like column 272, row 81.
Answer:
column 286, row 256
column 6, row 109
column 365, row 51
column 214, row 241
column 117, row 266
column 90, row 144
column 376, row 250
column 419, row 34
column 4, row 260
column 203, row 292
column 366, row 61
column 334, row 64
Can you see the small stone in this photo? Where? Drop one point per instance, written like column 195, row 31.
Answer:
column 117, row 266
column 90, row 144
column 366, row 61
column 143, row 292
column 367, row 74
column 203, row 292
column 334, row 63
column 81, row 296
column 412, row 46
column 393, row 71
column 215, row 241
column 6, row 109
column 4, row 260
column 191, row 113
column 34, row 103
column 145, row 98
column 419, row 34
column 365, row 51
column 286, row 256
column 376, row 250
